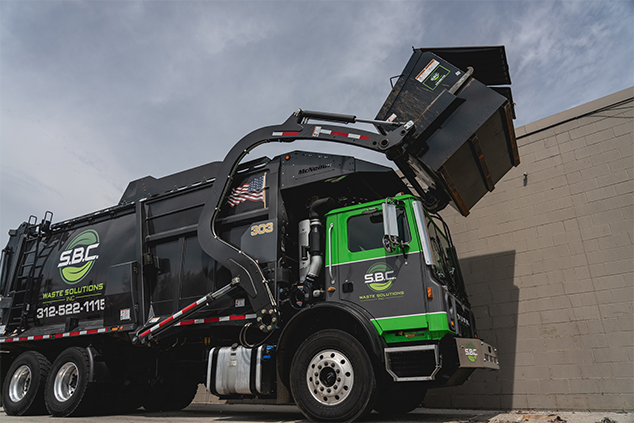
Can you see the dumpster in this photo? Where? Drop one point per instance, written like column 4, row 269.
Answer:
column 464, row 140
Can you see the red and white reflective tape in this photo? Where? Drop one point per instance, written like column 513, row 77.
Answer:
column 57, row 335
column 318, row 130
column 217, row 319
column 285, row 134
column 104, row 330
column 174, row 316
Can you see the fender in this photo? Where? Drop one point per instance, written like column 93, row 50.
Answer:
column 313, row 317
column 98, row 370
column 91, row 359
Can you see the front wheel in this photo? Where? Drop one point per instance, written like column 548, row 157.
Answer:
column 68, row 392
column 332, row 378
column 23, row 388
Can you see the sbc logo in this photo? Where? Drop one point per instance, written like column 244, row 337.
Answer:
column 79, row 257
column 471, row 352
column 379, row 277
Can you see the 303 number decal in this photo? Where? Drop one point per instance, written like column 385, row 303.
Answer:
column 262, row 228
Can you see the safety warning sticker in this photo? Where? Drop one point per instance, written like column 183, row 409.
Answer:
column 428, row 70
column 432, row 75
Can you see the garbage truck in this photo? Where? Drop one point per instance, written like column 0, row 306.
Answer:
column 317, row 279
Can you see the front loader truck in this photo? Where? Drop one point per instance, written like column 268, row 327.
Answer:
column 316, row 279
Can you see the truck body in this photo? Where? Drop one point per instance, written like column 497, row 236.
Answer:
column 313, row 278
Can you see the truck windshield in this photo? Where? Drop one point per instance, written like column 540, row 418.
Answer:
column 445, row 260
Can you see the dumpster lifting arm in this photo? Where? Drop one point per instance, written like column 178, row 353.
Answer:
column 171, row 321
column 244, row 269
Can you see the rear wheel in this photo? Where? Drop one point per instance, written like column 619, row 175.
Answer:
column 68, row 392
column 23, row 388
column 332, row 378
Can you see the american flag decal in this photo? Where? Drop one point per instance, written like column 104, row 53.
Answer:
column 251, row 191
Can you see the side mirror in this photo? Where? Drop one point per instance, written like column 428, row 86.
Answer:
column 390, row 227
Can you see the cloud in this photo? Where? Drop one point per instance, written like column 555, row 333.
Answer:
column 95, row 94
column 566, row 54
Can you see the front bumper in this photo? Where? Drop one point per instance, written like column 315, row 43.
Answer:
column 476, row 354
column 447, row 358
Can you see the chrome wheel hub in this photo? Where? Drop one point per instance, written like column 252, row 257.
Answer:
column 20, row 383
column 65, row 382
column 330, row 377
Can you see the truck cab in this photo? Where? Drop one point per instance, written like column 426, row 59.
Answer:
column 418, row 274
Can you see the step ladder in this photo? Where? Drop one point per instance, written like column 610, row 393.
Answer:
column 29, row 274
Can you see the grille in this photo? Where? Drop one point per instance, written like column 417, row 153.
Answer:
column 413, row 363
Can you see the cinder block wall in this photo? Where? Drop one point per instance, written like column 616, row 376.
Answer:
column 549, row 265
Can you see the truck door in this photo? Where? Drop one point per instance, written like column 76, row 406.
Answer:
column 389, row 285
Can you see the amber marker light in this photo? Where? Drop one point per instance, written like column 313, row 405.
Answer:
column 430, row 293
column 331, row 289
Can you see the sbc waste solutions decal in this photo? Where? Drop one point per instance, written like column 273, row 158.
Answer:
column 380, row 277
column 79, row 257
column 75, row 263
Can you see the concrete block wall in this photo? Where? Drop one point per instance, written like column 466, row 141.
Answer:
column 548, row 260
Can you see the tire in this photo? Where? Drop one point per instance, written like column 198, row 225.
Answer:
column 119, row 398
column 183, row 397
column 68, row 391
column 332, row 378
column 172, row 394
column 23, row 387
column 127, row 400
column 399, row 398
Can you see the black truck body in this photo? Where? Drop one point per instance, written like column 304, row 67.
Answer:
column 315, row 278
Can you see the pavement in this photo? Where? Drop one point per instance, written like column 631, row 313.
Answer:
column 251, row 413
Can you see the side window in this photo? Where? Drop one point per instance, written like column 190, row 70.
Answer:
column 365, row 231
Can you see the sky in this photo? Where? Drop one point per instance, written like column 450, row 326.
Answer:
column 95, row 94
